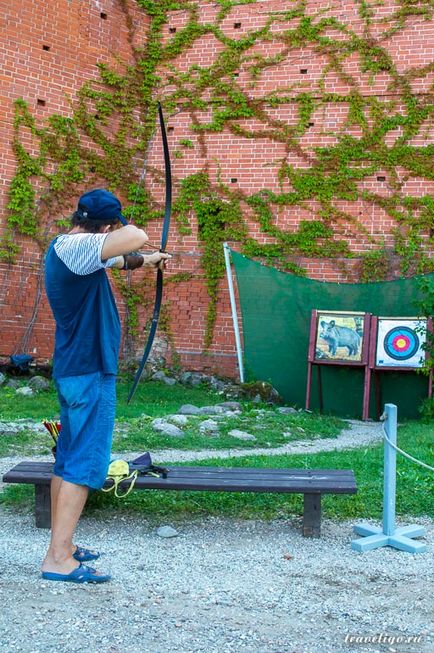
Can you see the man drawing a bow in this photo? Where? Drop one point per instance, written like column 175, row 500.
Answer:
column 85, row 365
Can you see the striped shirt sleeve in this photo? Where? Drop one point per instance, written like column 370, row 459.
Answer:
column 81, row 253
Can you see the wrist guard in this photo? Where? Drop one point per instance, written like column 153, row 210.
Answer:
column 132, row 261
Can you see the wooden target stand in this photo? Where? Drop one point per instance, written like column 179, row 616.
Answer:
column 313, row 360
column 368, row 362
column 378, row 369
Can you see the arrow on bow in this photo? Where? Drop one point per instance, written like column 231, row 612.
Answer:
column 164, row 237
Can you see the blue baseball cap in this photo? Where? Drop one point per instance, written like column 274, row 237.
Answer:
column 101, row 206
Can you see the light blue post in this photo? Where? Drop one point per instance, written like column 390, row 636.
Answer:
column 389, row 492
column 400, row 538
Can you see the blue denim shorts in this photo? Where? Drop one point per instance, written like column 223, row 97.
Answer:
column 87, row 415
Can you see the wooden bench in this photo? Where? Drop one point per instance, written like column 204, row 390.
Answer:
column 312, row 483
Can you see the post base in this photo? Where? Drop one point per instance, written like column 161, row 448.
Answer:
column 373, row 538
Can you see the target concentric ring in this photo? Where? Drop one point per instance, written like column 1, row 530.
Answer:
column 401, row 343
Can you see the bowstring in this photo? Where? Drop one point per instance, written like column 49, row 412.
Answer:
column 164, row 238
column 128, row 338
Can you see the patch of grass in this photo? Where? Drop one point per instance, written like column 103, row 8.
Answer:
column 43, row 404
column 414, row 487
column 270, row 430
column 25, row 443
column 156, row 399
column 269, row 427
column 134, row 431
column 152, row 398
column 19, row 498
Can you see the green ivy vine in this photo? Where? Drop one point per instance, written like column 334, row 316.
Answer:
column 113, row 121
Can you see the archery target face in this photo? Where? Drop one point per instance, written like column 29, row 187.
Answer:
column 399, row 342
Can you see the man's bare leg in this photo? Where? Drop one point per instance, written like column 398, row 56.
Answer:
column 69, row 501
column 56, row 482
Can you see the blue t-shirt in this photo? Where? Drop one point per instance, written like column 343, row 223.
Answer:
column 88, row 329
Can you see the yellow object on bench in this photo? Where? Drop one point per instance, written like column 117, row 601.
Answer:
column 119, row 472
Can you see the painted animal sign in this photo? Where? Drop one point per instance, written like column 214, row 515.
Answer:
column 400, row 342
column 339, row 337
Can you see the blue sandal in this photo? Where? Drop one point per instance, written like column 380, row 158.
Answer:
column 82, row 574
column 84, row 555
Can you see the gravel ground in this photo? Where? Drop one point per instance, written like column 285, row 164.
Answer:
column 220, row 586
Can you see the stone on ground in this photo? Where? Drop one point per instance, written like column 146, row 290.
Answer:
column 189, row 409
column 241, row 435
column 209, row 426
column 167, row 531
column 164, row 427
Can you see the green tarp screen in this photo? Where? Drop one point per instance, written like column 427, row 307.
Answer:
column 276, row 310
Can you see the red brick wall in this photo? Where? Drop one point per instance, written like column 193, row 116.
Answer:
column 77, row 34
column 78, row 37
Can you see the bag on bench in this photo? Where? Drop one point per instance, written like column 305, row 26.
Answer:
column 144, row 466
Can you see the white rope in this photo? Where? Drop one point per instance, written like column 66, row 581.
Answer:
column 415, row 460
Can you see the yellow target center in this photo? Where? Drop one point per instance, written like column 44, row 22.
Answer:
column 400, row 343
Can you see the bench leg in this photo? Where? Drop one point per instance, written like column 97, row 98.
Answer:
column 42, row 506
column 312, row 515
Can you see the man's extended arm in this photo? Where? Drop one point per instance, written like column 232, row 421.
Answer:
column 122, row 244
column 136, row 260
